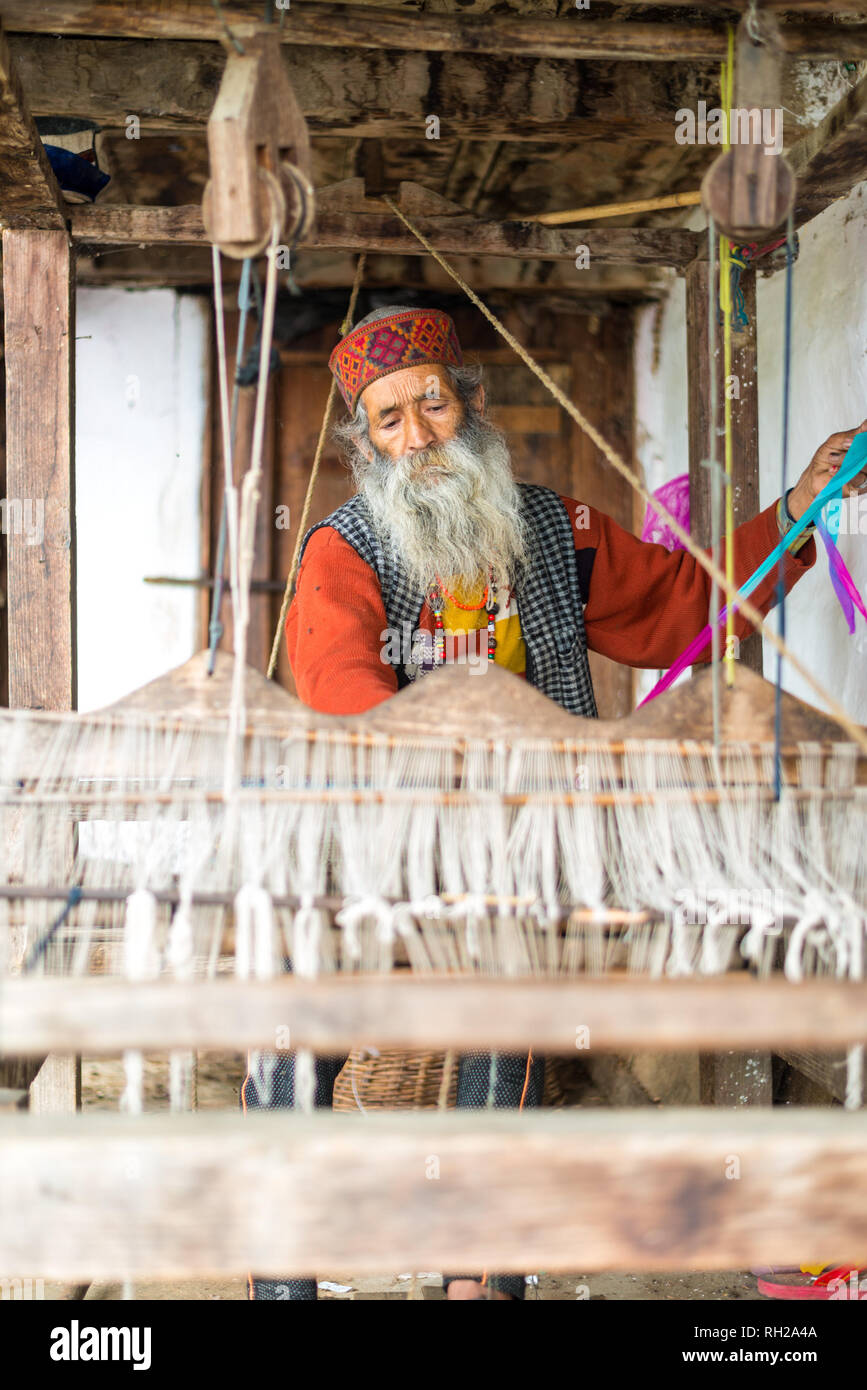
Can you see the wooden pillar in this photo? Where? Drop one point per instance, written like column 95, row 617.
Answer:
column 735, row 1078
column 38, row 295
column 602, row 384
column 39, row 317
column 743, row 386
column 728, row 1078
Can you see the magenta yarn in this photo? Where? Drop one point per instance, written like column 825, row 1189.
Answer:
column 674, row 496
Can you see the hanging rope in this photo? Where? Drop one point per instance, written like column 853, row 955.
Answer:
column 320, row 445
column 215, row 628
column 750, row 612
column 241, row 515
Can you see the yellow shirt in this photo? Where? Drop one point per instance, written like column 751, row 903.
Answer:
column 466, row 633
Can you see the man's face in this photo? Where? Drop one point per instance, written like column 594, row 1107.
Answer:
column 437, row 479
column 412, row 410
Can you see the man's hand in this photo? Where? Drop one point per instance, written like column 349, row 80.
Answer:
column 821, row 469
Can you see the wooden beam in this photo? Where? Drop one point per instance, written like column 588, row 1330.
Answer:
column 832, row 157
column 745, row 416
column 105, row 1015
column 735, row 1078
column 363, row 26
column 502, row 279
column 39, row 316
column 173, row 87
column 56, row 1088
column 826, row 1069
column 107, row 1196
column 30, row 195
column 39, row 325
column 118, row 225
column 18, row 1073
column 736, row 7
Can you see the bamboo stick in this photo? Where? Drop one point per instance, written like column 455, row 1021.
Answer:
column 669, row 200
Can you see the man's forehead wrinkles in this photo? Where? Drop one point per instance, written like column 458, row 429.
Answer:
column 404, row 397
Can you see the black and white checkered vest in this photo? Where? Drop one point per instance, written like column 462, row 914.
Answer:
column 547, row 594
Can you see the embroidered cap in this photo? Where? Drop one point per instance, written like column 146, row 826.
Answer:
column 405, row 338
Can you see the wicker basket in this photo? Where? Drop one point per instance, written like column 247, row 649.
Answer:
column 401, row 1080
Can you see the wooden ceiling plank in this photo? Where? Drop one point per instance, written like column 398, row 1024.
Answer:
column 832, row 157
column 30, row 195
column 736, row 7
column 116, row 225
column 356, row 26
column 173, row 87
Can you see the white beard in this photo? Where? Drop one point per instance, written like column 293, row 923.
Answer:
column 451, row 510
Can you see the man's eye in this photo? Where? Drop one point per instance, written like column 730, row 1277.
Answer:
column 390, row 424
column 441, row 406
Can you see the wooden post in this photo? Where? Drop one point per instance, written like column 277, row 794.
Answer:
column 602, row 384
column 39, row 314
column 743, row 387
column 56, row 1089
column 39, row 319
column 730, row 1078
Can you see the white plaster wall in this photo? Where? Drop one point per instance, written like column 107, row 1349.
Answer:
column 661, row 419
column 140, row 408
column 661, row 433
column 829, row 392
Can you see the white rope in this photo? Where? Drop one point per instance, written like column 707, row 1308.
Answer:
column 241, row 525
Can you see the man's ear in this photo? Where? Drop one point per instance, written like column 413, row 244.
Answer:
column 364, row 446
column 478, row 399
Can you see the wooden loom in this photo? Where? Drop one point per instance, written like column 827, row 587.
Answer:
column 614, row 1184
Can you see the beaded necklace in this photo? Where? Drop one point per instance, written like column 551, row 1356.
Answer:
column 436, row 599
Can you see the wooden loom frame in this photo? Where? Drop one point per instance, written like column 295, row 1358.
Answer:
column 619, row 1179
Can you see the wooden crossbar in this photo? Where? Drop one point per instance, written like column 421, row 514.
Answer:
column 122, row 225
column 364, row 26
column 108, row 1196
column 104, row 1015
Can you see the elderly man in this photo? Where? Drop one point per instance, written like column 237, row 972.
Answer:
column 441, row 555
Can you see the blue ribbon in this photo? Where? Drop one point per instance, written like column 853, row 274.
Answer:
column 854, row 463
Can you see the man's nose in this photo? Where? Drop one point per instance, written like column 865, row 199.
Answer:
column 418, row 432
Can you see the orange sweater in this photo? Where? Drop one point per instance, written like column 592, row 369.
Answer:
column 643, row 605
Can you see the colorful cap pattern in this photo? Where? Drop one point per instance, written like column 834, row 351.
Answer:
column 407, row 339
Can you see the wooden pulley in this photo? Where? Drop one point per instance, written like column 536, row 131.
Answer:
column 258, row 150
column 750, row 189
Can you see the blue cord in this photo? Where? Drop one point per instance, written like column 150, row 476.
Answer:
column 41, row 946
